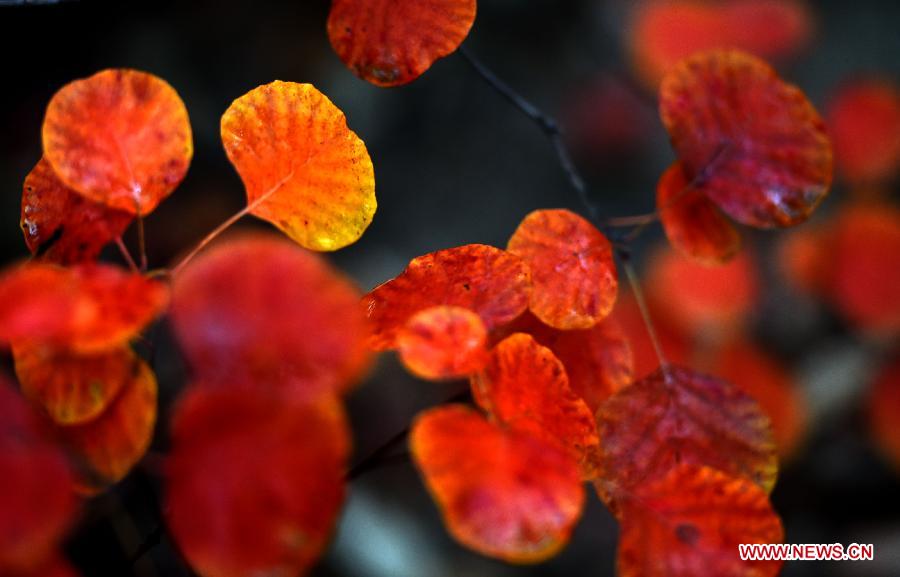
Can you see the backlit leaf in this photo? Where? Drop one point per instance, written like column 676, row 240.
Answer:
column 693, row 224
column 393, row 42
column 120, row 137
column 665, row 31
column 61, row 225
column 691, row 521
column 105, row 449
column 864, row 120
column 572, row 268
column 255, row 479
column 72, row 388
column 598, row 360
column 36, row 503
column 303, row 169
column 261, row 309
column 680, row 416
column 755, row 145
column 443, row 342
column 486, row 280
column 505, row 494
column 525, row 387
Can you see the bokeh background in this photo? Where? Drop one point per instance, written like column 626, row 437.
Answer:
column 455, row 164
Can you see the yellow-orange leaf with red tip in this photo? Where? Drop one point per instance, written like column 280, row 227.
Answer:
column 72, row 388
column 62, row 226
column 443, row 342
column 486, row 280
column 106, row 448
column 86, row 308
column 36, row 503
column 525, row 387
column 690, row 522
column 572, row 268
column 503, row 493
column 754, row 144
column 680, row 416
column 258, row 308
column 598, row 360
column 120, row 137
column 303, row 169
column 255, row 479
column 393, row 42
column 693, row 224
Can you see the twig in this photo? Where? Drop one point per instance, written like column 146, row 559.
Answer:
column 635, row 283
column 142, row 242
column 126, row 254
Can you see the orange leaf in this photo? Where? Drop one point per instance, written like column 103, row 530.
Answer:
column 502, row 493
column 698, row 300
column 443, row 342
column 61, row 225
column 72, row 388
column 770, row 384
column 106, row 448
column 255, row 479
column 572, row 268
column 303, row 169
column 884, row 411
column 87, row 308
column 665, row 31
column 691, row 521
column 525, row 387
column 393, row 42
column 486, row 280
column 680, row 416
column 864, row 119
column 598, row 360
column 260, row 309
column 754, row 143
column 36, row 503
column 693, row 224
column 120, row 137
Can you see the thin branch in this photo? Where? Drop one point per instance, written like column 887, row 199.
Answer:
column 209, row 238
column 142, row 242
column 548, row 125
column 635, row 283
column 629, row 221
column 126, row 254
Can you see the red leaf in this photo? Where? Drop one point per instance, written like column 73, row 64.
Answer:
column 502, row 493
column 255, row 479
column 443, row 342
column 393, row 42
column 61, row 225
column 261, row 309
column 120, row 137
column 486, row 280
column 754, row 143
column 572, row 268
column 690, row 522
column 693, row 224
column 681, row 416
column 525, row 387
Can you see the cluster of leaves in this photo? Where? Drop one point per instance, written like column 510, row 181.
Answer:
column 564, row 390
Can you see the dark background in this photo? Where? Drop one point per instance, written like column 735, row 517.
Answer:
column 455, row 164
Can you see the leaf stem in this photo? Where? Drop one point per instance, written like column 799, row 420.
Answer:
column 142, row 242
column 209, row 238
column 126, row 254
column 635, row 283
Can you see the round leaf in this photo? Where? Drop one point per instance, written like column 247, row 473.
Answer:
column 443, row 342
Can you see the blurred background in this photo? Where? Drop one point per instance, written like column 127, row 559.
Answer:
column 456, row 164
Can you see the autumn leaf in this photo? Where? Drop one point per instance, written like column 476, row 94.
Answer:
column 677, row 416
column 443, row 342
column 486, row 280
column 690, row 522
column 120, row 137
column 754, row 144
column 260, row 309
column 36, row 503
column 60, row 225
column 692, row 223
column 393, row 42
column 572, row 268
column 295, row 453
column 502, row 493
column 303, row 169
